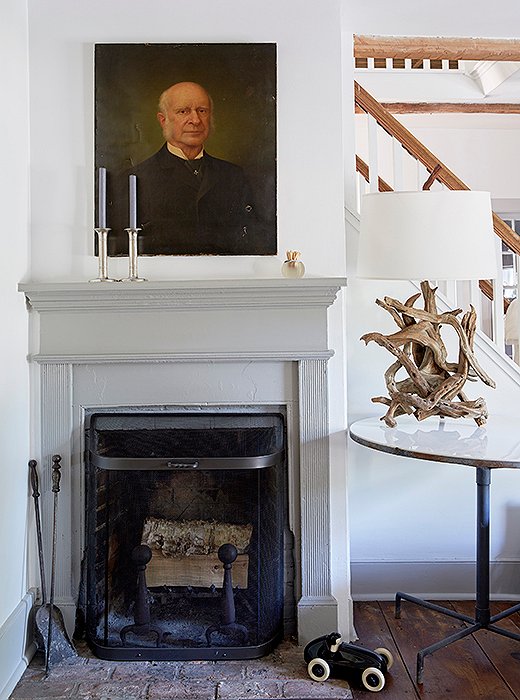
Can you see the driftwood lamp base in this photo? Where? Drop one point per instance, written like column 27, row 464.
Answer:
column 434, row 386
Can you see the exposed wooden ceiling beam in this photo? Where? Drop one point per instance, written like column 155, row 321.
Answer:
column 449, row 107
column 447, row 48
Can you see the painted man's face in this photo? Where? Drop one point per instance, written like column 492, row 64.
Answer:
column 186, row 120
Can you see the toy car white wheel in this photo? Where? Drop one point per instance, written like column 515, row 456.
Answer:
column 373, row 679
column 387, row 655
column 318, row 669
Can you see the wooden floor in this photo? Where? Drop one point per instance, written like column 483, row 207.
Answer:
column 484, row 665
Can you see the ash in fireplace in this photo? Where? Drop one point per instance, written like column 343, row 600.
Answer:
column 182, row 617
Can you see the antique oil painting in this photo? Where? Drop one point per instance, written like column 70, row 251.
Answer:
column 196, row 125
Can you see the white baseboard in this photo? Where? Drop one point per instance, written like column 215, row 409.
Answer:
column 439, row 580
column 16, row 647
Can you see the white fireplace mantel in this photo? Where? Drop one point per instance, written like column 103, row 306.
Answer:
column 183, row 319
column 188, row 342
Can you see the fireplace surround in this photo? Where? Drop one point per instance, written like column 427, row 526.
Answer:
column 193, row 345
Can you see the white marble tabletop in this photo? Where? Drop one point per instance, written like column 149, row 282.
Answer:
column 461, row 441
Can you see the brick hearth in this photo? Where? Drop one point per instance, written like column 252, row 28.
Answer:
column 279, row 676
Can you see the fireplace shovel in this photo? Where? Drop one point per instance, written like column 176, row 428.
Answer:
column 51, row 634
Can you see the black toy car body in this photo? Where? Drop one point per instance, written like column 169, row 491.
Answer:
column 329, row 656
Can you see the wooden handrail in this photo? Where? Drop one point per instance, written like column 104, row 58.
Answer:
column 450, row 107
column 417, row 150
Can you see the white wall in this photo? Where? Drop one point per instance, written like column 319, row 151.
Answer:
column 14, row 428
column 411, row 522
column 482, row 149
column 14, row 388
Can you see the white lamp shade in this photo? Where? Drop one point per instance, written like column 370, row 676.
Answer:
column 427, row 235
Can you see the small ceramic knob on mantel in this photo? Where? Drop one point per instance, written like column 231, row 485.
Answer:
column 292, row 266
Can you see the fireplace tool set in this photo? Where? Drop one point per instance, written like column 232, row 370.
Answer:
column 51, row 634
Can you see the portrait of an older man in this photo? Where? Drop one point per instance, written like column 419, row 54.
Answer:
column 191, row 201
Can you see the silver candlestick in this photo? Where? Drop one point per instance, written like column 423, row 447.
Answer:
column 102, row 234
column 132, row 256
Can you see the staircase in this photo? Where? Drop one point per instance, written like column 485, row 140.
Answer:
column 407, row 164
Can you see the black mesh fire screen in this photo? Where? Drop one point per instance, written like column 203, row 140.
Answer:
column 185, row 521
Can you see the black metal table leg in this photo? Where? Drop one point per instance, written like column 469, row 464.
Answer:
column 482, row 611
column 482, row 618
column 464, row 632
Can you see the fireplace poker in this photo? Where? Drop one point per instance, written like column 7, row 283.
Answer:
column 41, row 614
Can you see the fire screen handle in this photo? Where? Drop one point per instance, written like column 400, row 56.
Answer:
column 183, row 465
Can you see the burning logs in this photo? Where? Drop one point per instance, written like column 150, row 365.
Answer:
column 184, row 552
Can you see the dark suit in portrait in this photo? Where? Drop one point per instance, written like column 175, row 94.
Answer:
column 190, row 207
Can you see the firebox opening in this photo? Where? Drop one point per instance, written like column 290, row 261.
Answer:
column 186, row 523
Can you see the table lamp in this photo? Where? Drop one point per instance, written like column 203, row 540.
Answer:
column 428, row 235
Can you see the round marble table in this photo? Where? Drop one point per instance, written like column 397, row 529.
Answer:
column 495, row 445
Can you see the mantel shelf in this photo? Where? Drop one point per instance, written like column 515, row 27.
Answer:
column 181, row 294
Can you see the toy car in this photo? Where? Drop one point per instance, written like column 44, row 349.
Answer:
column 329, row 656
